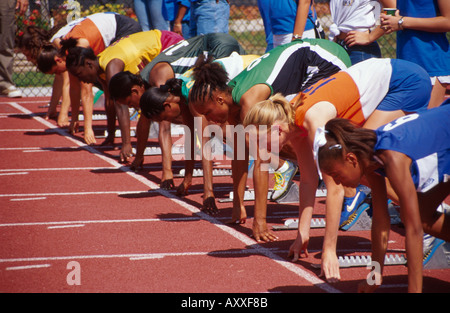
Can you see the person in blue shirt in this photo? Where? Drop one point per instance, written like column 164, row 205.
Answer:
column 413, row 153
column 178, row 15
column 422, row 27
column 264, row 10
column 283, row 16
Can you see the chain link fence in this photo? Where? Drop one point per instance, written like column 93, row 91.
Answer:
column 245, row 24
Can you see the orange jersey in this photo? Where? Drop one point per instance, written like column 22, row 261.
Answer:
column 88, row 30
column 338, row 89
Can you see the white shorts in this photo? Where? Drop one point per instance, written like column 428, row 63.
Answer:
column 442, row 79
column 279, row 40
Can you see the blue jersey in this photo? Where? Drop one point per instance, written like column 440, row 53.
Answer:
column 282, row 16
column 425, row 138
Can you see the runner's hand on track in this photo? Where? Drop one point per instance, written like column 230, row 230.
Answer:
column 137, row 164
column 167, row 184
column 261, row 233
column 300, row 244
column 209, row 206
column 182, row 190
column 125, row 153
column 89, row 137
column 330, row 268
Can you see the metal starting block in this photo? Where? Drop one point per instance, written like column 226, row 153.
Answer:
column 364, row 261
column 249, row 195
column 440, row 259
column 291, row 195
column 293, row 224
column 95, row 117
column 199, row 172
column 157, row 150
column 118, row 133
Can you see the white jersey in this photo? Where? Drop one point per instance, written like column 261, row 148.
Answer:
column 350, row 15
column 373, row 87
column 105, row 23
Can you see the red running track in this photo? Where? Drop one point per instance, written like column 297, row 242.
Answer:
column 62, row 201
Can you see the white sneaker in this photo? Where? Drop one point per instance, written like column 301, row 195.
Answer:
column 12, row 92
column 283, row 179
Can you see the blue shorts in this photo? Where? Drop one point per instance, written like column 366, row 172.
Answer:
column 409, row 88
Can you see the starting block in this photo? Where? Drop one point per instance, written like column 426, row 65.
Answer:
column 292, row 194
column 199, row 172
column 364, row 261
column 95, row 117
column 249, row 195
column 118, row 133
column 291, row 224
column 438, row 257
column 157, row 150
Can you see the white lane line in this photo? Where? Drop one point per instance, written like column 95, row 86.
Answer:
column 138, row 220
column 306, row 275
column 136, row 256
column 26, row 267
column 142, row 220
column 23, row 130
column 39, row 148
column 28, row 199
column 87, row 193
column 66, row 226
column 81, row 193
column 59, row 169
column 15, row 173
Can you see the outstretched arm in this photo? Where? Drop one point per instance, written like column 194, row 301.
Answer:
column 381, row 225
column 123, row 115
column 397, row 167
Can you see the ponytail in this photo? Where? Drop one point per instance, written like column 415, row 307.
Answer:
column 32, row 40
column 152, row 101
column 46, row 58
column 276, row 108
column 75, row 56
column 209, row 76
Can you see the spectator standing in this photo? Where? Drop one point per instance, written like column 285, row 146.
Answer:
column 209, row 16
column 7, row 35
column 178, row 15
column 149, row 14
column 283, row 15
column 264, row 10
column 354, row 27
column 421, row 27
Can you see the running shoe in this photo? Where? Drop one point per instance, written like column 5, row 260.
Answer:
column 12, row 92
column 430, row 246
column 352, row 209
column 283, row 180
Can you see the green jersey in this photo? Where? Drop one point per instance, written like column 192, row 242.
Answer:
column 183, row 55
column 291, row 68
